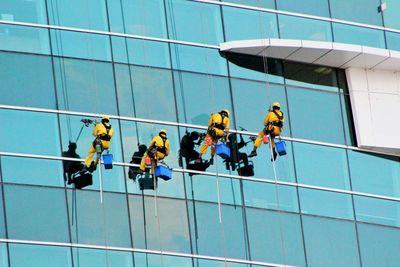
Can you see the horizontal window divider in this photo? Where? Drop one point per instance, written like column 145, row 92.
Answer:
column 232, row 176
column 301, row 15
column 138, row 250
column 115, row 34
column 187, row 125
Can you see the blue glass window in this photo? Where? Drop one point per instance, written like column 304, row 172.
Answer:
column 144, row 17
column 393, row 40
column 379, row 245
column 148, row 53
column 2, row 223
column 363, row 11
column 191, row 87
column 24, row 39
column 242, row 24
column 115, row 17
column 168, row 230
column 358, row 35
column 327, row 168
column 348, row 120
column 86, row 14
column 86, row 86
column 80, row 45
column 326, row 203
column 325, row 114
column 256, row 3
column 270, row 196
column 194, row 22
column 27, row 80
column 273, row 236
column 156, row 260
column 330, row 242
column 102, row 258
column 391, row 14
column 42, row 209
column 42, row 127
column 23, row 11
column 378, row 211
column 124, row 90
column 198, row 59
column 3, row 255
column 44, row 256
column 312, row 7
column 291, row 27
column 99, row 223
column 375, row 174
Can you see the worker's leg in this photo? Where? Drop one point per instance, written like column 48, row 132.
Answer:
column 90, row 155
column 143, row 162
column 257, row 143
column 204, row 147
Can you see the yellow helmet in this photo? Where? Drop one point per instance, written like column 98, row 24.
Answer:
column 276, row 104
column 163, row 132
column 105, row 119
column 226, row 111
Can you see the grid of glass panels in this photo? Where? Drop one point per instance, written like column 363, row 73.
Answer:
column 155, row 80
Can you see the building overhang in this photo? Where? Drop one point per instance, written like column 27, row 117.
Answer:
column 373, row 78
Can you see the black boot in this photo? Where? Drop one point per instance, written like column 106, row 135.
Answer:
column 252, row 154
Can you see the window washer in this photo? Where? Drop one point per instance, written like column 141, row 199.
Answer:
column 71, row 167
column 188, row 142
column 136, row 159
column 158, row 149
column 218, row 127
column 273, row 123
column 103, row 132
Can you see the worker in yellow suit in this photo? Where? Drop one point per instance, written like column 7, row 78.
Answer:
column 218, row 126
column 158, row 149
column 273, row 123
column 103, row 132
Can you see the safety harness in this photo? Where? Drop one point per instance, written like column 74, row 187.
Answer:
column 280, row 122
column 219, row 126
column 106, row 136
column 162, row 149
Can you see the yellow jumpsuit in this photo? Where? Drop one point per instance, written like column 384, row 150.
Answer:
column 215, row 133
column 100, row 130
column 273, row 130
column 157, row 143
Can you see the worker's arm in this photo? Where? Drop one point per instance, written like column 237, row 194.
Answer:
column 167, row 148
column 227, row 126
column 267, row 119
column 95, row 129
column 111, row 132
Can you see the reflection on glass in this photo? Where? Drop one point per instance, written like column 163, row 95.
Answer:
column 148, row 53
column 154, row 260
column 3, row 255
column 34, row 255
column 311, row 7
column 23, row 11
column 378, row 211
column 275, row 237
column 393, row 40
column 42, row 209
column 348, row 120
column 256, row 3
column 29, row 77
column 291, row 27
column 391, row 14
column 2, row 223
column 358, row 35
column 194, row 22
column 330, row 242
column 243, row 24
column 102, row 258
column 363, row 11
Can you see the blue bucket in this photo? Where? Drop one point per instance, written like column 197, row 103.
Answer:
column 108, row 161
column 281, row 148
column 223, row 150
column 163, row 172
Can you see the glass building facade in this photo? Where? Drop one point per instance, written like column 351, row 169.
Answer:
column 153, row 64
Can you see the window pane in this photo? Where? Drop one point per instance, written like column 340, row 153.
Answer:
column 325, row 115
column 304, row 29
column 102, row 258
column 212, row 238
column 377, row 211
column 42, row 127
column 194, row 22
column 393, row 40
column 198, row 59
column 153, row 93
column 312, row 7
column 34, row 171
column 86, row 14
column 148, row 53
column 391, row 14
column 364, row 11
column 23, row 11
column 3, row 255
column 242, row 24
column 379, row 245
column 191, row 87
column 2, row 224
column 95, row 223
column 42, row 209
column 375, row 174
column 270, row 196
column 80, row 45
column 327, row 168
column 215, row 263
column 256, row 3
column 330, row 242
column 155, row 260
column 325, row 203
column 144, row 17
column 86, row 86
column 124, row 90
column 24, row 39
column 358, row 35
column 348, row 120
column 43, row 256
column 28, row 77
column 166, row 229
column 266, row 230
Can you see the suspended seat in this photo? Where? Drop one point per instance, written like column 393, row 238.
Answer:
column 82, row 180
